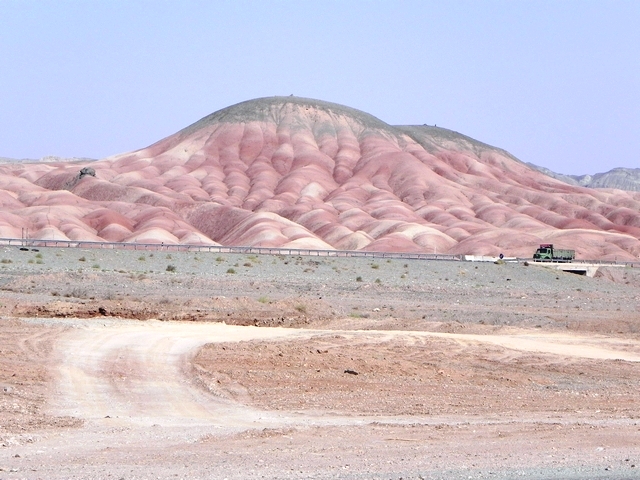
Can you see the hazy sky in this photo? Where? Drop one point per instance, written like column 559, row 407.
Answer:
column 556, row 83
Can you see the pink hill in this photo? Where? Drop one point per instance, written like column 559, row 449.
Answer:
column 294, row 172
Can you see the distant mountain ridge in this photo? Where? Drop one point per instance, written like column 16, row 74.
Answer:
column 47, row 159
column 620, row 178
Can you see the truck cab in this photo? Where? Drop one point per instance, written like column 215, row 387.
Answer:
column 544, row 252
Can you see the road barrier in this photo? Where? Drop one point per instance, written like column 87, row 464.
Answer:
column 33, row 243
column 173, row 247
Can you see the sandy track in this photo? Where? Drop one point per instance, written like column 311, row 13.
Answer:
column 570, row 346
column 134, row 373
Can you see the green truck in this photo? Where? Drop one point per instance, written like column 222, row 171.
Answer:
column 546, row 253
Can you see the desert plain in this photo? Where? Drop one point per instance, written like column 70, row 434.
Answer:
column 141, row 364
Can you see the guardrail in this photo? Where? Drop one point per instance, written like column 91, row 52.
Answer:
column 173, row 247
column 34, row 243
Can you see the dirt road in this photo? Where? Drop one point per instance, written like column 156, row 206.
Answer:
column 135, row 372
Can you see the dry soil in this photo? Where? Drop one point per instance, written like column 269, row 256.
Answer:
column 156, row 364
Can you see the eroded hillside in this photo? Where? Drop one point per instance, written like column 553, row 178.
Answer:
column 295, row 172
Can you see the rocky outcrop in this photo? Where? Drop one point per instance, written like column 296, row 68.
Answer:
column 620, row 178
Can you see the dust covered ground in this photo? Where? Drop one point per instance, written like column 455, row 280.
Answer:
column 156, row 364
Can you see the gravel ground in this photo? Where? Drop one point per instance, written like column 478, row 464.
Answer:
column 298, row 290
column 444, row 376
